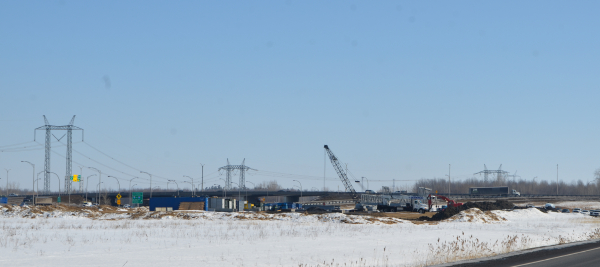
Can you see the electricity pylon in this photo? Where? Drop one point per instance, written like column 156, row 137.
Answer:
column 48, row 128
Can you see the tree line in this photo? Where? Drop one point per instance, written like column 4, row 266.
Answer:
column 535, row 186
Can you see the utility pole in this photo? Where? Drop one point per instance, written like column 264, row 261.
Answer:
column 557, row 179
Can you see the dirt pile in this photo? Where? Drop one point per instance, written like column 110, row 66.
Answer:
column 483, row 206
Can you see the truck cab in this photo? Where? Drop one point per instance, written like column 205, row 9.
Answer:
column 516, row 193
column 417, row 206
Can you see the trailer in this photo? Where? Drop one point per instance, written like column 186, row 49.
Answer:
column 493, row 191
column 42, row 201
column 392, row 203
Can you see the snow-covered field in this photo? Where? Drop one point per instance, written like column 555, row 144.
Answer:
column 142, row 238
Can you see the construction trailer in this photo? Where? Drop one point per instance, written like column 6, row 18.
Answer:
column 178, row 203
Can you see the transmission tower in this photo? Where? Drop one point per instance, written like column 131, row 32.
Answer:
column 499, row 173
column 229, row 168
column 48, row 128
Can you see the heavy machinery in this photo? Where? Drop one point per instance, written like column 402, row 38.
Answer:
column 451, row 203
column 340, row 171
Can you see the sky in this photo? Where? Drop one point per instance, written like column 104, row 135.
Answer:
column 397, row 89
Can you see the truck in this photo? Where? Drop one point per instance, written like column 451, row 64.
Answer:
column 493, row 191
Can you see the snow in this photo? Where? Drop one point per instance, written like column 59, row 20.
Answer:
column 32, row 237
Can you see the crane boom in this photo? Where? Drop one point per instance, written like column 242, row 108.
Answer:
column 340, row 171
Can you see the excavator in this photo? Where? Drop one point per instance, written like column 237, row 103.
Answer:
column 451, row 203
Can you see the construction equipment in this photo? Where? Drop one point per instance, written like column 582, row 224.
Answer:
column 451, row 203
column 340, row 171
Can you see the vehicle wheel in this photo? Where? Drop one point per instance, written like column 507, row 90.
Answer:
column 421, row 211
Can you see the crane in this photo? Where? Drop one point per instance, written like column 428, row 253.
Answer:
column 340, row 171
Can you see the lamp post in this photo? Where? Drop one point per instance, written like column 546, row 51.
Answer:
column 99, row 178
column 173, row 181
column 300, row 187
column 98, row 198
column 33, row 177
column 58, row 183
column 131, row 196
column 117, row 183
column 37, row 184
column 86, row 186
column 150, row 182
column 202, row 184
column 239, row 195
column 191, row 184
column 80, row 175
column 253, row 187
column 193, row 191
column 224, row 188
column 130, row 192
column 7, row 170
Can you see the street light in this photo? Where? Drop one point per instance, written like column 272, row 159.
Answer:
column 117, row 183
column 192, row 184
column 99, row 178
column 58, row 183
column 38, row 183
column 202, row 185
column 7, row 170
column 33, row 178
column 239, row 195
column 253, row 187
column 150, row 182
column 224, row 188
column 173, row 181
column 300, row 187
column 98, row 198
column 86, row 186
column 131, row 192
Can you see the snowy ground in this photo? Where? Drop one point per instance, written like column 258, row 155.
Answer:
column 76, row 238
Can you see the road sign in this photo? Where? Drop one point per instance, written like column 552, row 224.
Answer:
column 118, row 196
column 137, row 197
column 58, row 200
column 118, row 202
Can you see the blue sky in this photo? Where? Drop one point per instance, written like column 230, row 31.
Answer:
column 398, row 90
